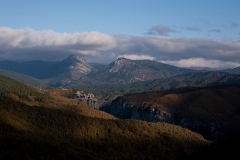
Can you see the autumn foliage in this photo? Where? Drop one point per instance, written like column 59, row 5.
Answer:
column 49, row 124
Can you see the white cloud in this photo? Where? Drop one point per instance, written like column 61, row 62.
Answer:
column 41, row 44
column 136, row 57
column 29, row 44
column 27, row 38
column 201, row 62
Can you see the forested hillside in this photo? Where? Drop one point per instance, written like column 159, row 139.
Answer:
column 193, row 79
column 212, row 111
column 47, row 124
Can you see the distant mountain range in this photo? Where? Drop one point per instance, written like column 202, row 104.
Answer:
column 121, row 71
column 75, row 71
column 30, row 68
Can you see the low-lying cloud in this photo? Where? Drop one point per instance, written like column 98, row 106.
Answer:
column 191, row 62
column 26, row 44
column 28, row 38
column 29, row 44
column 136, row 57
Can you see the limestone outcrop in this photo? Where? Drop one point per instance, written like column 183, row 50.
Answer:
column 88, row 98
column 123, row 109
column 126, row 109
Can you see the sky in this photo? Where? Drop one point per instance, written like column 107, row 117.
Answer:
column 184, row 33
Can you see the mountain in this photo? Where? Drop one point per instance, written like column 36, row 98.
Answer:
column 138, row 75
column 192, row 79
column 233, row 70
column 25, row 78
column 30, row 68
column 101, row 80
column 125, row 71
column 212, row 111
column 74, row 68
column 108, row 92
column 203, row 69
column 49, row 124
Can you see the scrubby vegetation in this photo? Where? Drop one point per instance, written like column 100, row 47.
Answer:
column 212, row 111
column 192, row 79
column 49, row 124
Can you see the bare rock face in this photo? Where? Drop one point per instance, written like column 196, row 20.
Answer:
column 123, row 109
column 78, row 65
column 88, row 98
column 211, row 111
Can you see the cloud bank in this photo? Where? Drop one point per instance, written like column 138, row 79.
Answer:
column 29, row 44
column 137, row 57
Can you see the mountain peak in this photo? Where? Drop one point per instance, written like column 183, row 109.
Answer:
column 75, row 63
column 74, row 59
column 119, row 64
column 119, row 58
column 122, row 59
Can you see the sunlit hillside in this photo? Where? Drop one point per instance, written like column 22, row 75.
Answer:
column 47, row 124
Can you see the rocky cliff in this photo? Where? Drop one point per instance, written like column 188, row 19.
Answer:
column 88, row 98
column 123, row 109
column 211, row 111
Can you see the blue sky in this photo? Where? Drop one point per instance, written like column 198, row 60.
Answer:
column 207, row 32
column 187, row 17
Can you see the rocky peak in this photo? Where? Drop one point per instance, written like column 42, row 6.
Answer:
column 88, row 98
column 119, row 64
column 74, row 59
column 74, row 62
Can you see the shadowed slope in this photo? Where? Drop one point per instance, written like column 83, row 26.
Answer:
column 211, row 111
column 56, row 127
